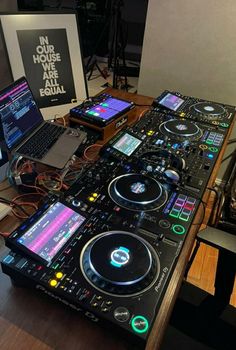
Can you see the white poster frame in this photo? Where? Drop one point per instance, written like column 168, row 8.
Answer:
column 11, row 23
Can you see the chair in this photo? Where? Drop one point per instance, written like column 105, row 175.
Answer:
column 200, row 321
column 226, row 266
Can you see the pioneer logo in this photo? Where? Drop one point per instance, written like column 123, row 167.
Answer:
column 64, row 301
column 163, row 275
column 121, row 122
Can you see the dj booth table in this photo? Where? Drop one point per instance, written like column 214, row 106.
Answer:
column 32, row 321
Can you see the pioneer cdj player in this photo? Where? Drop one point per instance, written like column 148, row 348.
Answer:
column 196, row 109
column 108, row 247
column 179, row 151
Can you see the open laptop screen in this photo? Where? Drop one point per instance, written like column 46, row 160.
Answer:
column 18, row 111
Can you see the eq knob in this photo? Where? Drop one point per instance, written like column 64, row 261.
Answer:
column 172, row 176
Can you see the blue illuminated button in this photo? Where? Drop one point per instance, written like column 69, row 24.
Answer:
column 120, row 257
column 8, row 259
column 178, row 229
column 139, row 324
column 210, row 156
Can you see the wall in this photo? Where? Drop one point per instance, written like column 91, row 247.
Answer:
column 189, row 46
column 8, row 5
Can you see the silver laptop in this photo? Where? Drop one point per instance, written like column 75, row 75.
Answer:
column 26, row 133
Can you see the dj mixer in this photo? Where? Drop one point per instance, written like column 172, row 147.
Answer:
column 108, row 247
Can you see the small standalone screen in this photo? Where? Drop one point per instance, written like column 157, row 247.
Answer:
column 51, row 232
column 171, row 101
column 127, row 144
column 108, row 109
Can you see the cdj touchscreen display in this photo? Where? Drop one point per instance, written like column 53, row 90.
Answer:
column 171, row 101
column 50, row 232
column 127, row 144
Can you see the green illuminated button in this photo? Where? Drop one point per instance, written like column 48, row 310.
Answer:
column 174, row 213
column 55, row 266
column 213, row 149
column 224, row 125
column 209, row 141
column 184, row 217
column 178, row 229
column 139, row 324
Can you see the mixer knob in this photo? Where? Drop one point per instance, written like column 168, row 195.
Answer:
column 149, row 168
column 76, row 203
column 172, row 176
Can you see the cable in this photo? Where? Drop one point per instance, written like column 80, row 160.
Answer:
column 11, row 202
column 56, row 120
column 213, row 190
column 142, row 113
column 51, row 180
column 229, row 156
column 86, row 150
column 214, row 215
column 5, row 234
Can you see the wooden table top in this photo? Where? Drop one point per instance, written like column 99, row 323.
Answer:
column 29, row 320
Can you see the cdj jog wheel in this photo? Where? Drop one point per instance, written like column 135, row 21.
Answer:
column 181, row 130
column 119, row 263
column 211, row 110
column 137, row 192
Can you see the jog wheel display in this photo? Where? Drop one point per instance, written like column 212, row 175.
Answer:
column 137, row 192
column 211, row 110
column 119, row 263
column 181, row 130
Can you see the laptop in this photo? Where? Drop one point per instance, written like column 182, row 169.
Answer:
column 27, row 134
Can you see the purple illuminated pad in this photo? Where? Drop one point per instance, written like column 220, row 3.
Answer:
column 108, row 108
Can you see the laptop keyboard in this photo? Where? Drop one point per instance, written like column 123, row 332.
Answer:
column 38, row 145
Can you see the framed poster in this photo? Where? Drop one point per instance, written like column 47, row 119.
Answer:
column 45, row 47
